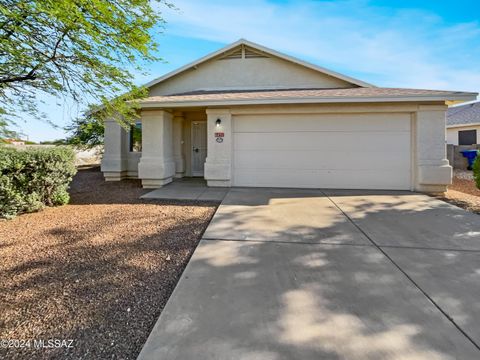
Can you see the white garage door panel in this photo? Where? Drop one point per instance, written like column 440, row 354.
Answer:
column 333, row 179
column 352, row 151
column 297, row 160
column 323, row 141
column 330, row 122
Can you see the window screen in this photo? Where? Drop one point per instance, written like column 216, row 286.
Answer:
column 467, row 137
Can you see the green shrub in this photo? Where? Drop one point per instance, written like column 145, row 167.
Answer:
column 33, row 178
column 476, row 170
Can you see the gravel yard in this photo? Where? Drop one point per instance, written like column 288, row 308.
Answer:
column 463, row 191
column 98, row 271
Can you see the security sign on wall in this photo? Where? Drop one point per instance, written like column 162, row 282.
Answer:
column 219, row 137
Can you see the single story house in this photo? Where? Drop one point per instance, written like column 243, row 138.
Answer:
column 463, row 124
column 247, row 115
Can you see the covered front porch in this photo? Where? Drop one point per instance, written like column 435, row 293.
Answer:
column 172, row 143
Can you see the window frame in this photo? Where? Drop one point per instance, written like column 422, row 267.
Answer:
column 472, row 133
column 137, row 125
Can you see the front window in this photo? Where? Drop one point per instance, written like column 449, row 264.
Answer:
column 136, row 137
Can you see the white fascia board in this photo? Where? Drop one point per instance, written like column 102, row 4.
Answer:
column 306, row 64
column 305, row 100
column 462, row 125
column 265, row 50
column 193, row 64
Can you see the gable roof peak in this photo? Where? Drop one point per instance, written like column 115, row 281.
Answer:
column 265, row 50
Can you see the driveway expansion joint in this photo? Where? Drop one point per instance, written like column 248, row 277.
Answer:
column 454, row 323
column 428, row 248
column 289, row 242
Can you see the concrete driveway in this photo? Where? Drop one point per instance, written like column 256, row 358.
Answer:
column 306, row 274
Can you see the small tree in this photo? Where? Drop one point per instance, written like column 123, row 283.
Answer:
column 83, row 49
column 476, row 170
column 87, row 131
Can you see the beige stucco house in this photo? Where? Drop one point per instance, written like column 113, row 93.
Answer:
column 463, row 124
column 247, row 115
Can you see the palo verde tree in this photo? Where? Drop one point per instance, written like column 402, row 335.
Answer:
column 80, row 49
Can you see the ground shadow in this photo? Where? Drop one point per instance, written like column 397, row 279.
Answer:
column 95, row 272
column 89, row 187
column 304, row 300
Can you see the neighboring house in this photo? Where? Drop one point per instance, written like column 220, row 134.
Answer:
column 463, row 124
column 14, row 142
column 247, row 115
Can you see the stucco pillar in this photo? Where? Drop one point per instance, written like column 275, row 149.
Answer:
column 114, row 161
column 218, row 165
column 178, row 141
column 433, row 170
column 156, row 167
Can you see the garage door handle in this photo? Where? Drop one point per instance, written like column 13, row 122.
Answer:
column 195, row 149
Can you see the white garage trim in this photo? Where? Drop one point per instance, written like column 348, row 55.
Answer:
column 363, row 151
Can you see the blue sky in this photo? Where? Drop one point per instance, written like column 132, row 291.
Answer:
column 421, row 44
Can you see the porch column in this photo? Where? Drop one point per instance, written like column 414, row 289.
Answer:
column 218, row 165
column 433, row 170
column 156, row 167
column 114, row 160
column 178, row 141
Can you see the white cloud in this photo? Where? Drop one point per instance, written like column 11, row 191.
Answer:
column 403, row 48
column 384, row 46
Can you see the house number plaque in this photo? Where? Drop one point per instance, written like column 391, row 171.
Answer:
column 219, row 137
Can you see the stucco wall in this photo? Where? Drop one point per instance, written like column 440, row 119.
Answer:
column 249, row 73
column 430, row 169
column 118, row 161
column 452, row 133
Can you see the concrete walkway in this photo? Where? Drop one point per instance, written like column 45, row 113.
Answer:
column 306, row 274
column 187, row 189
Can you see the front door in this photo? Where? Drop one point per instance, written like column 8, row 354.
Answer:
column 199, row 147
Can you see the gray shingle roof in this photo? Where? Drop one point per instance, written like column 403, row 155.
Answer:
column 358, row 92
column 464, row 114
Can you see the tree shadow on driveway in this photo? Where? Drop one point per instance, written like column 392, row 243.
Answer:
column 303, row 298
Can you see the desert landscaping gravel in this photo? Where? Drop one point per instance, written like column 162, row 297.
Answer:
column 463, row 191
column 100, row 270
column 97, row 271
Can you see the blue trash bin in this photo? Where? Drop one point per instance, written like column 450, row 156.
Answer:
column 470, row 155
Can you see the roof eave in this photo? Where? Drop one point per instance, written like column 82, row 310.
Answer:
column 462, row 125
column 304, row 100
column 261, row 48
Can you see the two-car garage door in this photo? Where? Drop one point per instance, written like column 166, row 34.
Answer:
column 350, row 151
